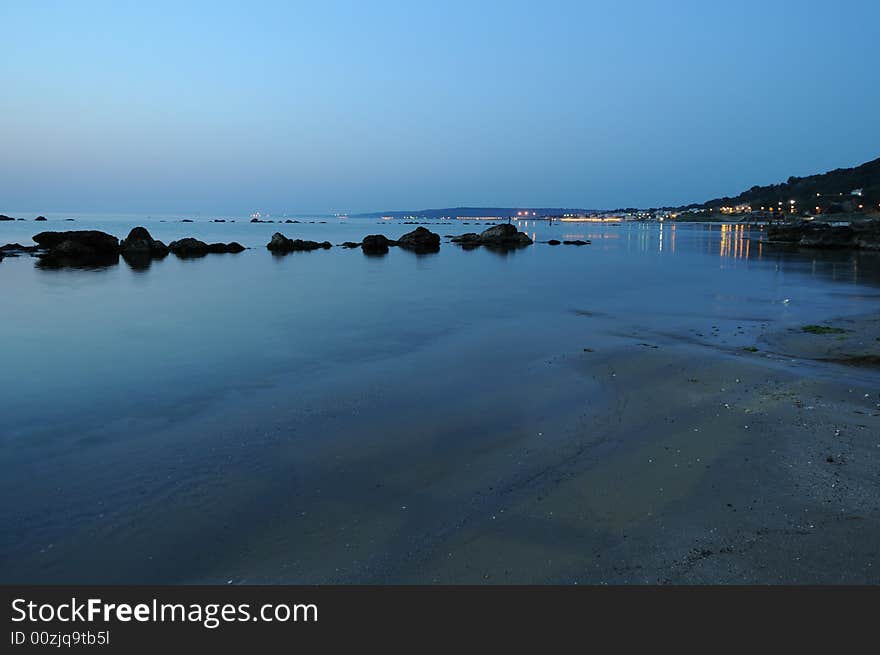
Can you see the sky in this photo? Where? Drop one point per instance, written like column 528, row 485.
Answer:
column 231, row 107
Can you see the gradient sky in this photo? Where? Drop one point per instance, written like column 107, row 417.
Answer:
column 284, row 106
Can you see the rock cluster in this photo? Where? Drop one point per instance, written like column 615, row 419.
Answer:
column 420, row 240
column 863, row 235
column 497, row 236
column 95, row 248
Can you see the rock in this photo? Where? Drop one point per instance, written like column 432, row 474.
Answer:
column 4, row 217
column 187, row 220
column 867, row 234
column 40, row 218
column 554, row 242
column 16, row 248
column 98, row 242
column 497, row 236
column 281, row 244
column 420, row 240
column 77, row 248
column 350, row 244
column 190, row 247
column 223, row 248
column 70, row 220
column 576, row 242
column 376, row 244
column 140, row 242
column 219, row 220
column 863, row 234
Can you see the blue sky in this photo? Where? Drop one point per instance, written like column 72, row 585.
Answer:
column 285, row 106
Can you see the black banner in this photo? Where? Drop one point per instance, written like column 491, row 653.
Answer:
column 150, row 619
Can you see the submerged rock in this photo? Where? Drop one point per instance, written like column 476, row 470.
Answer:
column 281, row 244
column 40, row 218
column 420, row 240
column 16, row 248
column 554, row 242
column 576, row 242
column 350, row 244
column 376, row 244
column 4, row 217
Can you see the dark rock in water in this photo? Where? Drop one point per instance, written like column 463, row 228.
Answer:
column 351, row 244
column 190, row 247
column 99, row 242
column 376, row 244
column 186, row 220
column 224, row 248
column 281, row 244
column 863, row 234
column 140, row 241
column 77, row 248
column 420, row 240
column 4, row 217
column 16, row 248
column 554, row 242
column 576, row 242
column 219, row 220
column 256, row 220
column 70, row 220
column 40, row 218
column 504, row 235
column 288, row 221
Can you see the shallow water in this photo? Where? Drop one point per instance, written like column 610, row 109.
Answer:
column 309, row 417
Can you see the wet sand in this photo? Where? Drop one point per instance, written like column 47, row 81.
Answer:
column 710, row 465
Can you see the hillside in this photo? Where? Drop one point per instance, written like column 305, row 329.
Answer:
column 830, row 192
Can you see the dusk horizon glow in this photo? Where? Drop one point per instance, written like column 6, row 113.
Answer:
column 229, row 108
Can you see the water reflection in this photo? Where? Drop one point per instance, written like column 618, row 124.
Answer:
column 736, row 242
column 141, row 261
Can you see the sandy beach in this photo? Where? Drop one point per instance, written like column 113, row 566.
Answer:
column 709, row 465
